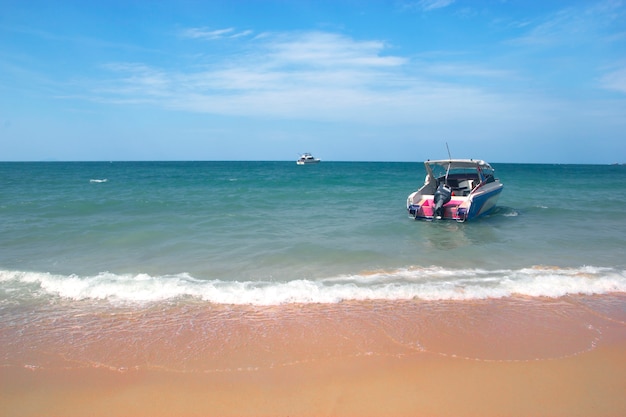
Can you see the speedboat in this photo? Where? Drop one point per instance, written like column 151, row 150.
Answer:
column 307, row 158
column 455, row 189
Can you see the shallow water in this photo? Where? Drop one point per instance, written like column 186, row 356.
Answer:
column 274, row 232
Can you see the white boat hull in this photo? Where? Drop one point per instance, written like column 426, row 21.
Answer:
column 307, row 159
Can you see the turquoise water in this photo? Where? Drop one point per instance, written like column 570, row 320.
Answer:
column 275, row 232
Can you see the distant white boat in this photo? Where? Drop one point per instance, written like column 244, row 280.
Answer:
column 306, row 159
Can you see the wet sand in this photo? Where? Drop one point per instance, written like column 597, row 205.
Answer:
column 510, row 357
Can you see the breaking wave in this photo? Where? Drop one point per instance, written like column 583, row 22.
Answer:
column 430, row 283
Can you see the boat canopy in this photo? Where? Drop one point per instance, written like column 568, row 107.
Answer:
column 460, row 163
column 444, row 167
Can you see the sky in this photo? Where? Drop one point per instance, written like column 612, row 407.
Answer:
column 347, row 80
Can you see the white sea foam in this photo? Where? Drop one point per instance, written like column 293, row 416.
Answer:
column 432, row 283
column 98, row 180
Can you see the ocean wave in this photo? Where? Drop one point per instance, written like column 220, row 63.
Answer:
column 426, row 283
column 98, row 180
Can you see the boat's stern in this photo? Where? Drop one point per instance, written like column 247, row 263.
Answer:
column 455, row 209
column 416, row 205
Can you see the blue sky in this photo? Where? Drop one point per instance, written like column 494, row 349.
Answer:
column 504, row 81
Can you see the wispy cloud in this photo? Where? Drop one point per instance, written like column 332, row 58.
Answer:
column 309, row 75
column 434, row 4
column 328, row 49
column 138, row 83
column 564, row 26
column 79, row 40
column 571, row 26
column 615, row 80
column 426, row 5
column 206, row 34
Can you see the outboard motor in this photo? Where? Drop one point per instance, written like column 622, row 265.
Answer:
column 442, row 196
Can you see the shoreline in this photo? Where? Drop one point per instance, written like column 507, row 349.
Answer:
column 504, row 357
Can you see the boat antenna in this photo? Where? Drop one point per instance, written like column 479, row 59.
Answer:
column 449, row 163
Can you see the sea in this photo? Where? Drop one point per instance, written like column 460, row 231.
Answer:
column 90, row 239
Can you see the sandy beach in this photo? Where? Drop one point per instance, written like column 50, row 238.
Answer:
column 509, row 357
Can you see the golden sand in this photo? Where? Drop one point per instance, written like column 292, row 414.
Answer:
column 514, row 357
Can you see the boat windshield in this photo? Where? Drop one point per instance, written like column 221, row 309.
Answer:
column 439, row 169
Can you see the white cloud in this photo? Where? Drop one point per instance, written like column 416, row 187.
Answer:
column 206, row 34
column 277, row 73
column 571, row 26
column 317, row 49
column 615, row 80
column 316, row 76
column 428, row 5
